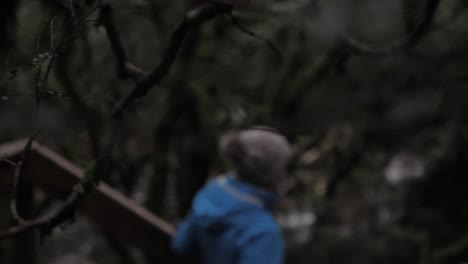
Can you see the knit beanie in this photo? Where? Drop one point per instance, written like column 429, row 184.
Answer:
column 259, row 156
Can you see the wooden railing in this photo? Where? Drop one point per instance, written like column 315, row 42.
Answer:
column 113, row 212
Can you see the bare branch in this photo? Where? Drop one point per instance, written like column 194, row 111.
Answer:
column 125, row 68
column 191, row 20
column 421, row 30
column 60, row 215
column 66, row 211
column 9, row 162
column 52, row 33
column 15, row 230
column 16, row 180
column 12, row 20
column 6, row 97
column 235, row 22
column 72, row 9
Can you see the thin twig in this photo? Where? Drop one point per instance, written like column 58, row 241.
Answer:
column 52, row 33
column 37, row 91
column 66, row 210
column 20, row 26
column 6, row 97
column 235, row 22
column 16, row 180
column 4, row 82
column 72, row 9
column 70, row 23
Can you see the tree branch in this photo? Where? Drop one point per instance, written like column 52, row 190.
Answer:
column 125, row 69
column 235, row 22
column 191, row 20
column 9, row 162
column 66, row 210
column 16, row 181
column 60, row 215
column 362, row 48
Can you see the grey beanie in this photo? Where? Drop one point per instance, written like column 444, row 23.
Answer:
column 259, row 156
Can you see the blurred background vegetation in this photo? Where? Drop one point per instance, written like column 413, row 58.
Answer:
column 371, row 93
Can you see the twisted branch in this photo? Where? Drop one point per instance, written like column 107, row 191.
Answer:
column 409, row 41
column 191, row 20
column 16, row 180
column 125, row 69
column 59, row 216
column 143, row 84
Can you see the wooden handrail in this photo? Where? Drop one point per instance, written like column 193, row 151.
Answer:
column 116, row 214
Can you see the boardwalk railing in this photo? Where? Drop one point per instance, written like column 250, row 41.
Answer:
column 116, row 214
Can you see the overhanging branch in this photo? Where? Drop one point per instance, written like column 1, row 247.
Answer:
column 144, row 83
column 16, row 181
column 125, row 68
column 191, row 20
column 365, row 49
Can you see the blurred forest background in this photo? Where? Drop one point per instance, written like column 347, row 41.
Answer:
column 372, row 93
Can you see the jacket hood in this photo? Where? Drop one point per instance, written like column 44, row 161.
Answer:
column 226, row 200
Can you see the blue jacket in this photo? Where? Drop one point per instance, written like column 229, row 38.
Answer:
column 230, row 223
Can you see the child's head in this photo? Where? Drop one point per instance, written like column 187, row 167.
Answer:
column 259, row 156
